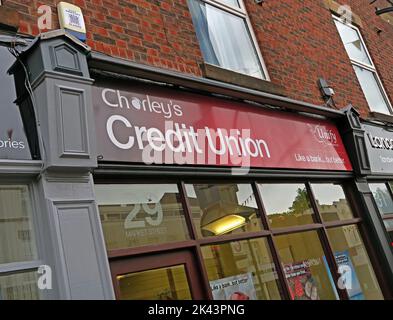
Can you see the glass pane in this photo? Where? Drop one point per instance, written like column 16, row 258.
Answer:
column 286, row 204
column 391, row 237
column 223, row 209
column 372, row 91
column 388, row 224
column 158, row 284
column 136, row 215
column 224, row 39
column 241, row 270
column 233, row 3
column 352, row 42
column 304, row 265
column 17, row 242
column 382, row 198
column 352, row 255
column 19, row 286
column 331, row 202
column 13, row 141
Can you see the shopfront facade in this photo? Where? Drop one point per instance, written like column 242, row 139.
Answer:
column 154, row 185
column 376, row 167
column 282, row 230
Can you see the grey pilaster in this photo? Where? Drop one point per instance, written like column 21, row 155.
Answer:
column 377, row 233
column 71, row 233
column 354, row 138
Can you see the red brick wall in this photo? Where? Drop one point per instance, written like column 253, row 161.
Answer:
column 298, row 40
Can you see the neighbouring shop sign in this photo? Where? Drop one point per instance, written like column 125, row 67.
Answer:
column 13, row 140
column 149, row 124
column 379, row 143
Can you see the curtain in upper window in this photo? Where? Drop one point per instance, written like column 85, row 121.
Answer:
column 225, row 39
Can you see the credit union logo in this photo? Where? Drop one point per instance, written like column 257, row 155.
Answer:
column 323, row 135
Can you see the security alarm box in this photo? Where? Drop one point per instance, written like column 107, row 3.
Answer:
column 71, row 19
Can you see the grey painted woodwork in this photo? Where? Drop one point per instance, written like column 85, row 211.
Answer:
column 69, row 233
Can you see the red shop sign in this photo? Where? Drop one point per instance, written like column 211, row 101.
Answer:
column 154, row 125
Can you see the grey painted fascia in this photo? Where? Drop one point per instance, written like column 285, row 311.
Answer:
column 20, row 168
column 121, row 66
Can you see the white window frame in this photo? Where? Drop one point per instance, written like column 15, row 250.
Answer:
column 370, row 67
column 242, row 13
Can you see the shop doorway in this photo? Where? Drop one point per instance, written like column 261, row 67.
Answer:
column 163, row 276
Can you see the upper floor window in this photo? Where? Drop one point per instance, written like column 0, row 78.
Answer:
column 364, row 67
column 225, row 36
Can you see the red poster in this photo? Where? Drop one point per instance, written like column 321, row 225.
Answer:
column 301, row 283
column 148, row 124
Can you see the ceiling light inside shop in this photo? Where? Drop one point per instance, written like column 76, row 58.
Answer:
column 225, row 224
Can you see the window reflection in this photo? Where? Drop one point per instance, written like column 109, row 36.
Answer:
column 241, row 270
column 382, row 198
column 137, row 215
column 351, row 254
column 234, row 3
column 19, row 286
column 158, row 284
column 372, row 90
column 388, row 224
column 331, row 202
column 223, row 209
column 17, row 242
column 305, row 267
column 286, row 204
column 353, row 43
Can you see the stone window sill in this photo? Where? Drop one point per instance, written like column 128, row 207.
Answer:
column 381, row 117
column 216, row 73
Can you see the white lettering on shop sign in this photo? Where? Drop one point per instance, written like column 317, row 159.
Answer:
column 12, row 144
column 381, row 142
column 177, row 137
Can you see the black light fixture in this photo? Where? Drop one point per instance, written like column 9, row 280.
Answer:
column 378, row 11
column 327, row 92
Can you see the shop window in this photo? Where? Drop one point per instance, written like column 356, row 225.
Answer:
column 220, row 209
column 16, row 250
column 331, row 201
column 244, row 255
column 305, row 267
column 225, row 36
column 383, row 198
column 352, row 257
column 159, row 284
column 136, row 215
column 287, row 205
column 364, row 67
column 19, row 286
column 248, row 263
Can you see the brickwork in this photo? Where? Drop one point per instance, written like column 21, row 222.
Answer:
column 298, row 40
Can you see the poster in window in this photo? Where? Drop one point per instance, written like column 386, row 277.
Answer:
column 354, row 289
column 301, row 283
column 240, row 287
